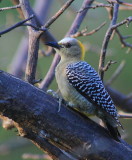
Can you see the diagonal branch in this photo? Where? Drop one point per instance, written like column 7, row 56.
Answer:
column 17, row 67
column 34, row 36
column 84, row 31
column 67, row 130
column 12, row 7
column 120, row 2
column 107, row 37
column 122, row 39
column 16, row 25
column 33, row 44
column 61, row 10
column 79, row 18
column 116, row 73
column 109, row 63
column 106, row 41
column 120, row 99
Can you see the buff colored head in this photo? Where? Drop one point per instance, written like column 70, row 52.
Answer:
column 69, row 47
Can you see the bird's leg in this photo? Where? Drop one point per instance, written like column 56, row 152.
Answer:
column 53, row 93
column 57, row 95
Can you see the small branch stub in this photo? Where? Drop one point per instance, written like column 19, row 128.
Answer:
column 108, row 65
column 83, row 32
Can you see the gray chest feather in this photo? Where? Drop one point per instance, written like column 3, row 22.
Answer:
column 70, row 94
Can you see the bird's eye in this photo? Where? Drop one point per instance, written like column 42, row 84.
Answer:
column 68, row 45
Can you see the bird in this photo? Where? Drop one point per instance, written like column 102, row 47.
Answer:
column 81, row 86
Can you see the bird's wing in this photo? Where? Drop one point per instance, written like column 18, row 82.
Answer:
column 88, row 83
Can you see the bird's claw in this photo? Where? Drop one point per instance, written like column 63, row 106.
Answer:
column 55, row 95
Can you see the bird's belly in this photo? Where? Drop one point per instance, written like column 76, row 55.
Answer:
column 73, row 97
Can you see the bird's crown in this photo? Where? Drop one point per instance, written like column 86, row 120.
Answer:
column 69, row 42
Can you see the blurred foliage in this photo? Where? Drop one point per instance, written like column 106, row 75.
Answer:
column 10, row 42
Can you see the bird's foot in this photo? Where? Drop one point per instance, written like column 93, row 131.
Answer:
column 56, row 95
column 53, row 93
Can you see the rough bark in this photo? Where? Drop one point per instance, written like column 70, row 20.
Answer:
column 37, row 118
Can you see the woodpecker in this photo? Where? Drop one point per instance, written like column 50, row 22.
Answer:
column 81, row 86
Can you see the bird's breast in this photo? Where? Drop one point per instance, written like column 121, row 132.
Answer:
column 69, row 93
column 62, row 81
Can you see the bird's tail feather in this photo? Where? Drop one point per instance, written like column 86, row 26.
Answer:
column 113, row 131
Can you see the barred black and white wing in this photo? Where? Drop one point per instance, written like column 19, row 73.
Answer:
column 88, row 83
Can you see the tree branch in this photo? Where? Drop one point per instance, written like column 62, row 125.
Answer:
column 17, row 67
column 79, row 18
column 116, row 73
column 120, row 2
column 16, row 25
column 67, row 129
column 121, row 38
column 83, row 32
column 120, row 100
column 106, row 41
column 18, row 64
column 12, row 7
column 34, row 36
column 61, row 10
column 109, row 63
column 97, row 6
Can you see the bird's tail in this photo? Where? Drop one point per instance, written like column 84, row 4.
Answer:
column 113, row 131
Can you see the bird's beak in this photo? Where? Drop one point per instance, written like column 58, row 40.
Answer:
column 53, row 44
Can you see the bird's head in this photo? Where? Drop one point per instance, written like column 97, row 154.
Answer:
column 69, row 48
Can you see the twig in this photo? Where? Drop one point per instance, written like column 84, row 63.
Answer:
column 124, row 115
column 128, row 36
column 124, row 44
column 108, row 65
column 35, row 156
column 61, row 10
column 120, row 2
column 96, row 6
column 116, row 73
column 125, row 8
column 12, row 7
column 125, row 21
column 128, row 97
column 79, row 18
column 72, row 9
column 83, row 32
column 36, row 28
column 106, row 41
column 16, row 25
column 74, row 28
